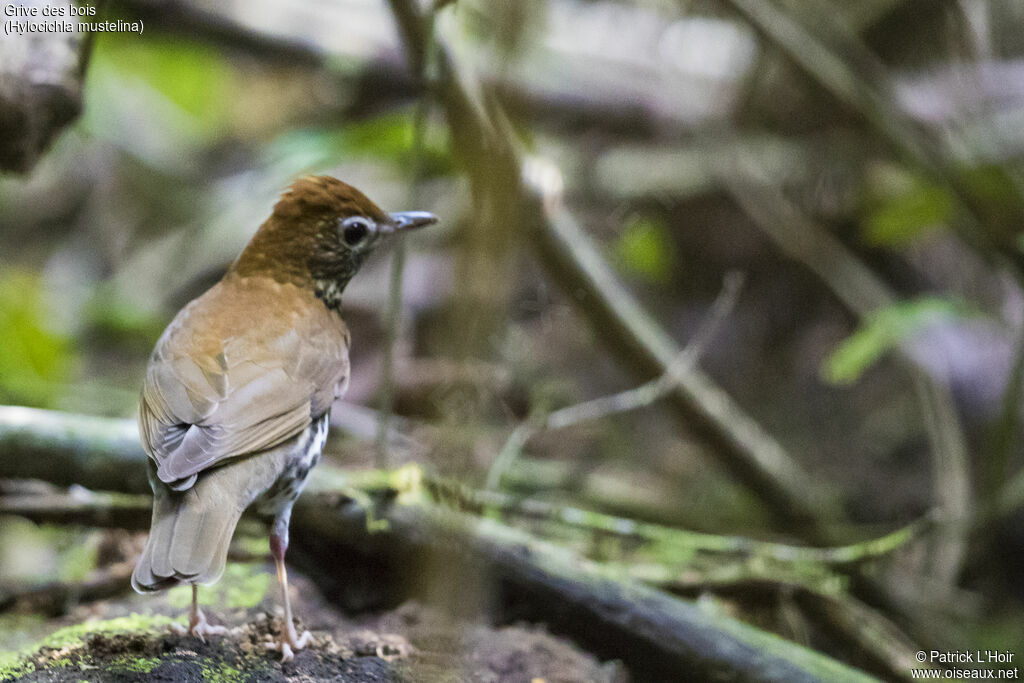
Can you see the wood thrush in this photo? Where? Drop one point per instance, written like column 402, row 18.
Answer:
column 234, row 409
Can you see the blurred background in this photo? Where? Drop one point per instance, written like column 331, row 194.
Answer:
column 859, row 164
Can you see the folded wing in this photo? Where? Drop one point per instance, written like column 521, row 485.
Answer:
column 215, row 392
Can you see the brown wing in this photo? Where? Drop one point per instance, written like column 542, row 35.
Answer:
column 242, row 381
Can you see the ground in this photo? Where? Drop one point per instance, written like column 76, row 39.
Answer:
column 127, row 639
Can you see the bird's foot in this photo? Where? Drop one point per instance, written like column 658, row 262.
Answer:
column 288, row 642
column 199, row 627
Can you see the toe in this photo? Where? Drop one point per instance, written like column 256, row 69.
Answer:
column 288, row 646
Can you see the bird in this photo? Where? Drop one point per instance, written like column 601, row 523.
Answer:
column 238, row 390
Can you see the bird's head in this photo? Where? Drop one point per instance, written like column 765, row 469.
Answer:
column 320, row 233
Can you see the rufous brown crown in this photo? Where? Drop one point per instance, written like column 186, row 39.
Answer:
column 299, row 243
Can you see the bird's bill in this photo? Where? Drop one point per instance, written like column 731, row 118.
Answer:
column 410, row 220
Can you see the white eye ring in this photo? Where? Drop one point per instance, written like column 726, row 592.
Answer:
column 355, row 230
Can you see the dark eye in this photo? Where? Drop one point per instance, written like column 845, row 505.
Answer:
column 354, row 231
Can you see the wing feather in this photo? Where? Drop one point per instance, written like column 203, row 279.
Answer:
column 219, row 389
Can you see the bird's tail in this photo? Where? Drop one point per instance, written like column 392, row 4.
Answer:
column 190, row 532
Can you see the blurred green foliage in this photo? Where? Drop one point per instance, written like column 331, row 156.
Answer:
column 32, row 555
column 195, row 78
column 35, row 360
column 115, row 322
column 243, row 585
column 881, row 332
column 996, row 196
column 902, row 207
column 388, row 137
column 505, row 25
column 645, row 248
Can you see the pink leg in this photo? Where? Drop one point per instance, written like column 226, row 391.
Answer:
column 197, row 624
column 290, row 640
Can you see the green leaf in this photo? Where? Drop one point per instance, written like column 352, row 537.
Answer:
column 646, row 249
column 881, row 332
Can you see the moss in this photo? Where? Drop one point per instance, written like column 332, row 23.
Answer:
column 133, row 623
column 135, row 664
column 59, row 663
column 12, row 666
column 21, row 662
column 219, row 672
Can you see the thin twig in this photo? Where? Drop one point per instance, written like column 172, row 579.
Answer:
column 624, row 401
column 658, row 388
column 510, row 451
column 417, row 62
column 669, row 537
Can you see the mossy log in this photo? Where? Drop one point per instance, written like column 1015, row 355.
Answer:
column 66, row 449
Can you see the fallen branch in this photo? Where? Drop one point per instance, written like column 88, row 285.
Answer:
column 81, row 506
column 880, row 645
column 65, row 449
column 657, row 636
column 741, row 445
column 54, row 599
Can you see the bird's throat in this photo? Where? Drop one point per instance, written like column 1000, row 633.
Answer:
column 329, row 291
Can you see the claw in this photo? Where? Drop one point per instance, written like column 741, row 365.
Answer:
column 198, row 627
column 288, row 643
column 305, row 639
